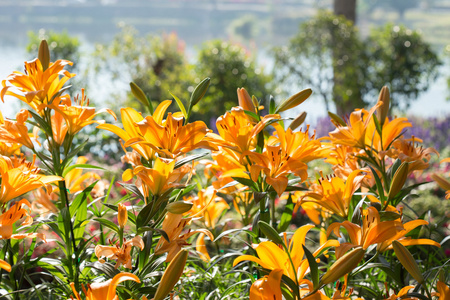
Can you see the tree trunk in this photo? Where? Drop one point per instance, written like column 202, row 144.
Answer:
column 346, row 8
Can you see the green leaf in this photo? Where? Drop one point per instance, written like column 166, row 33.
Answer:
column 270, row 232
column 108, row 223
column 389, row 215
column 180, row 105
column 246, row 182
column 81, row 166
column 314, row 269
column 199, row 91
column 144, row 216
column 378, row 184
column 160, row 231
column 140, row 95
column 188, row 159
column 74, row 152
column 42, row 124
column 252, row 114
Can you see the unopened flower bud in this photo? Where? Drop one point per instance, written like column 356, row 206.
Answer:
column 122, row 217
column 343, row 266
column 179, row 207
column 171, row 275
column 298, row 121
column 294, row 100
column 383, row 110
column 398, row 180
column 407, row 260
column 245, row 101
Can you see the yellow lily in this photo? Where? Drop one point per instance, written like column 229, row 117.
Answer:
column 16, row 132
column 271, row 257
column 18, row 180
column 173, row 225
column 105, row 290
column 390, row 131
column 37, row 87
column 11, row 216
column 268, row 287
column 207, row 204
column 120, row 253
column 237, row 132
column 354, row 134
column 408, row 151
column 372, row 231
column 170, row 138
column 334, row 194
column 130, row 131
column 79, row 115
column 158, row 179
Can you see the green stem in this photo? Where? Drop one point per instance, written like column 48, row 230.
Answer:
column 65, row 199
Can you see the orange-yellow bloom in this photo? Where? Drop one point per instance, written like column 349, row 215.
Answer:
column 443, row 183
column 373, row 231
column 105, row 290
column 18, row 180
column 271, row 257
column 209, row 205
column 170, row 138
column 173, row 225
column 268, row 287
column 158, row 179
column 79, row 115
column 120, row 253
column 11, row 216
column 335, row 195
column 443, row 291
column 354, row 134
column 15, row 132
column 37, row 87
column 401, row 294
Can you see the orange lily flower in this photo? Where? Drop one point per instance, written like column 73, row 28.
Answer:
column 334, row 194
column 120, row 253
column 443, row 184
column 237, row 132
column 16, row 132
column 200, row 247
column 43, row 203
column 390, row 131
column 173, row 225
column 408, row 151
column 158, row 179
column 268, row 287
column 207, row 204
column 354, row 134
column 59, row 128
column 105, row 290
column 79, row 115
column 18, row 180
column 401, row 294
column 37, row 87
column 372, row 231
column 271, row 257
column 11, row 216
column 170, row 138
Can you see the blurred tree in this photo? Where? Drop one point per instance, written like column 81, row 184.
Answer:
column 392, row 55
column 403, row 60
column 229, row 66
column 157, row 64
column 62, row 46
column 324, row 44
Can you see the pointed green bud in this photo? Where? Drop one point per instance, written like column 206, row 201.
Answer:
column 270, row 232
column 140, row 95
column 171, row 275
column 343, row 266
column 337, row 120
column 298, row 121
column 294, row 100
column 199, row 91
column 383, row 110
column 408, row 261
column 398, row 180
column 44, row 55
column 179, row 207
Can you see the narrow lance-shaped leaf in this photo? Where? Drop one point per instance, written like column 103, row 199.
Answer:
column 140, row 95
